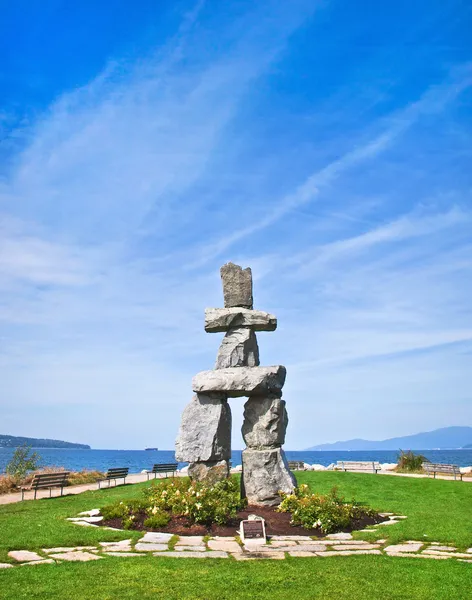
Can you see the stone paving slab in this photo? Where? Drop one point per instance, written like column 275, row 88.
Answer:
column 348, row 552
column 24, row 555
column 443, row 548
column 210, row 554
column 346, row 547
column 124, row 553
column 125, row 544
column 412, row 555
column 44, row 561
column 299, row 538
column 339, row 536
column 5, row 566
column 190, row 540
column 404, row 547
column 76, row 556
column 282, row 543
column 68, row 549
column 190, row 549
column 301, row 554
column 156, row 537
column 150, row 547
column 226, row 546
column 451, row 554
column 305, row 548
column 274, row 555
column 90, row 513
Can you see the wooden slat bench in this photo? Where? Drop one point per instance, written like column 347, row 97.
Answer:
column 115, row 473
column 296, row 465
column 163, row 468
column 368, row 466
column 46, row 481
column 444, row 469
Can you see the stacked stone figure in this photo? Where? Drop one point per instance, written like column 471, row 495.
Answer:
column 205, row 433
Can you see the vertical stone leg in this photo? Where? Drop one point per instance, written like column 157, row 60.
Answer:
column 204, row 438
column 265, row 468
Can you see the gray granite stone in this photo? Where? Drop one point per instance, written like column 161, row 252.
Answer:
column 238, row 349
column 218, row 320
column 237, row 285
column 265, row 422
column 209, row 472
column 241, row 381
column 265, row 473
column 205, row 429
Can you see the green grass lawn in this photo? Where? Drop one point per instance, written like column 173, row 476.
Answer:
column 438, row 511
column 349, row 578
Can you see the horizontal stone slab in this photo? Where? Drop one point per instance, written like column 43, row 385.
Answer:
column 222, row 319
column 241, row 381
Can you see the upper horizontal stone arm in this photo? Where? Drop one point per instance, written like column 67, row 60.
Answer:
column 222, row 319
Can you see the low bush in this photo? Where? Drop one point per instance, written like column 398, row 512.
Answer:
column 199, row 503
column 328, row 512
column 409, row 461
column 158, row 519
column 22, row 462
column 85, row 476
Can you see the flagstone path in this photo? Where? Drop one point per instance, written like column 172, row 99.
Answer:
column 277, row 548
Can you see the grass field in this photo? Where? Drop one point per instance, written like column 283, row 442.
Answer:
column 438, row 511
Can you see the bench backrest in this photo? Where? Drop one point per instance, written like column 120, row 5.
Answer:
column 117, row 472
column 359, row 465
column 46, row 480
column 296, row 465
column 439, row 468
column 164, row 467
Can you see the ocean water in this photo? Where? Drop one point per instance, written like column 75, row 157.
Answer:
column 137, row 460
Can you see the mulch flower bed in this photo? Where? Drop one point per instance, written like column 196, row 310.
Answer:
column 276, row 523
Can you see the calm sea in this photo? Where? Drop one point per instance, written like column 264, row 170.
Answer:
column 137, row 460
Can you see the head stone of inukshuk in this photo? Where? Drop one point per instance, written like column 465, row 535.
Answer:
column 204, row 438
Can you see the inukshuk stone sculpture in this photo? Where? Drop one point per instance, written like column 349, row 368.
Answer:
column 205, row 433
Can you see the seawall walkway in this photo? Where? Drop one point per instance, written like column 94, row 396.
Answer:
column 141, row 477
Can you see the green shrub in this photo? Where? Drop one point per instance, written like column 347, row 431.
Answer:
column 158, row 519
column 328, row 513
column 200, row 503
column 409, row 461
column 22, row 462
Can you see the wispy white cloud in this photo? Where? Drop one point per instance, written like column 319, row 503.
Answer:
column 131, row 191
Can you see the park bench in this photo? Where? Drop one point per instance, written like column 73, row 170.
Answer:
column 369, row 466
column 45, row 481
column 296, row 465
column 115, row 473
column 444, row 469
column 163, row 468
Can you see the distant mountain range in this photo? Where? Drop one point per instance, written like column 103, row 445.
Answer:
column 11, row 441
column 440, row 439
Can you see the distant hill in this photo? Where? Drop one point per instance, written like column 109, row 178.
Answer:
column 467, row 447
column 11, row 441
column 445, row 438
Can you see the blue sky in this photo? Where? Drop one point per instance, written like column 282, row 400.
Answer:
column 326, row 144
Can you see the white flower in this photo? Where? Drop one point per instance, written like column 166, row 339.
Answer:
column 198, row 506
